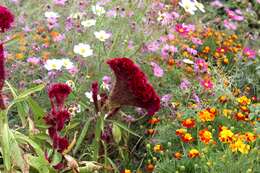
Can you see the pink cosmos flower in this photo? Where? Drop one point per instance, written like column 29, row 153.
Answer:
column 34, row 60
column 60, row 2
column 207, row 84
column 249, row 52
column 182, row 29
column 200, row 65
column 168, row 50
column 230, row 25
column 157, row 70
column 234, row 15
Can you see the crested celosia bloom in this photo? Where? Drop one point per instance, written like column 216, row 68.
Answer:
column 2, row 75
column 225, row 135
column 58, row 115
column 94, row 87
column 131, row 87
column 205, row 136
column 189, row 123
column 6, row 19
column 193, row 153
column 207, row 114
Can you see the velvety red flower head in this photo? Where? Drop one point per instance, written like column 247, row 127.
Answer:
column 131, row 86
column 2, row 75
column 60, row 92
column 6, row 19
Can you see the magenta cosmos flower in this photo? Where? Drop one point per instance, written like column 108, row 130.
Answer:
column 249, row 52
column 6, row 19
column 131, row 87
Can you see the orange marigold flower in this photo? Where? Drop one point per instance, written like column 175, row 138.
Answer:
column 244, row 101
column 180, row 132
column 189, row 123
column 244, row 109
column 187, row 137
column 205, row 136
column 250, row 137
column 193, row 153
column 153, row 120
column 240, row 116
column 239, row 145
column 225, row 135
column 149, row 167
column 126, row 171
column 223, row 99
column 177, row 155
column 150, row 131
column 207, row 115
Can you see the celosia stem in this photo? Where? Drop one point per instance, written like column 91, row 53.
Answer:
column 2, row 76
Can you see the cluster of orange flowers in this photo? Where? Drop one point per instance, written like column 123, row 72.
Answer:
column 207, row 114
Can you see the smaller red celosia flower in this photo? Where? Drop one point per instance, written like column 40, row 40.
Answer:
column 131, row 87
column 6, row 19
column 2, row 75
column 189, row 123
column 60, row 92
column 95, row 94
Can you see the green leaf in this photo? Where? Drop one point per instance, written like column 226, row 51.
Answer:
column 82, row 136
column 38, row 163
column 117, row 135
column 124, row 127
column 6, row 146
column 36, row 109
column 17, row 154
column 23, row 111
column 57, row 157
column 98, row 131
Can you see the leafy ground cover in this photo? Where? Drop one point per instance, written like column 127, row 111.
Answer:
column 129, row 86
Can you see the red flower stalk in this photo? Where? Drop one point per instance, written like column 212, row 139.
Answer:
column 60, row 92
column 2, row 75
column 95, row 94
column 131, row 87
column 6, row 19
column 59, row 115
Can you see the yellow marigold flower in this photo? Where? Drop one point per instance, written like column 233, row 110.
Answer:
column 127, row 171
column 157, row 148
column 187, row 137
column 244, row 101
column 193, row 153
column 239, row 145
column 225, row 135
column 227, row 112
column 180, row 132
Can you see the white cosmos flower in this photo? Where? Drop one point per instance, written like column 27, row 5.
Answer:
column 89, row 96
column 88, row 23
column 200, row 6
column 51, row 14
column 189, row 6
column 187, row 61
column 102, row 35
column 83, row 50
column 67, row 63
column 53, row 64
column 98, row 10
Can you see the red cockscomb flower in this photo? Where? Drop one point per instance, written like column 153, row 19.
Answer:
column 60, row 92
column 2, row 75
column 95, row 94
column 131, row 86
column 6, row 19
column 58, row 115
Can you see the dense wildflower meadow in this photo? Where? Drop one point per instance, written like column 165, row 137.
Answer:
column 129, row 86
